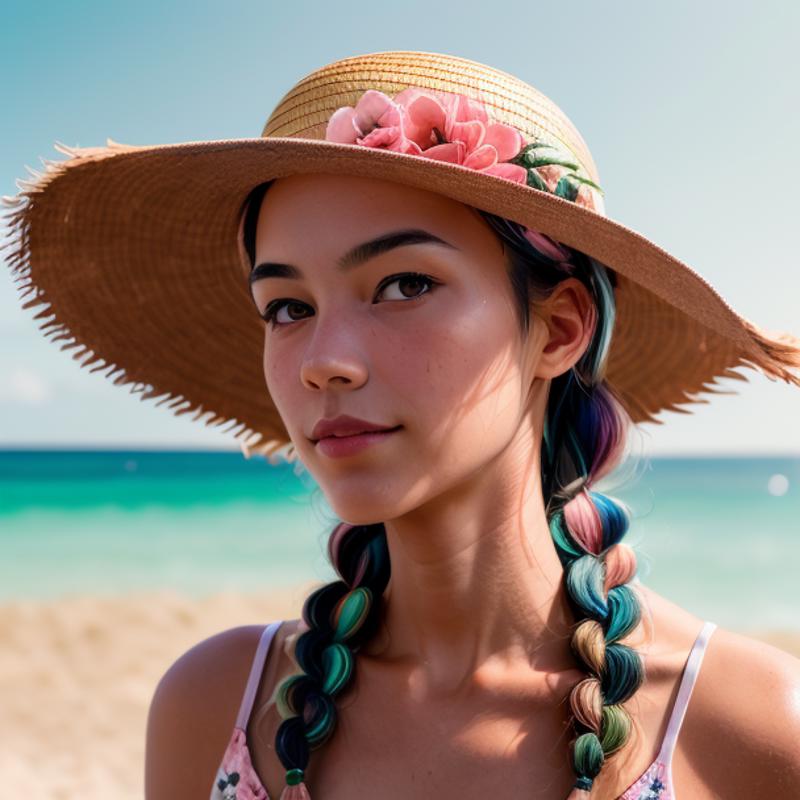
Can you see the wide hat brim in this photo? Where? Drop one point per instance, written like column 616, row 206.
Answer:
column 132, row 254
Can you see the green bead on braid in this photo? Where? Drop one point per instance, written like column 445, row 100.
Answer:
column 294, row 776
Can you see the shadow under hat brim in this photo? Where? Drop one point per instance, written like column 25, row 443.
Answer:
column 132, row 252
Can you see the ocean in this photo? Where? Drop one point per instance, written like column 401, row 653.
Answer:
column 718, row 536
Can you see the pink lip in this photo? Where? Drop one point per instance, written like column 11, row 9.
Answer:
column 344, row 425
column 343, row 446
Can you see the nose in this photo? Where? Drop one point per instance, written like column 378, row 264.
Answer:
column 333, row 357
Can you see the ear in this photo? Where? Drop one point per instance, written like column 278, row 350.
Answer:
column 569, row 317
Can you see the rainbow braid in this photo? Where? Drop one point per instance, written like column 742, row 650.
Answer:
column 587, row 530
column 341, row 617
column 582, row 440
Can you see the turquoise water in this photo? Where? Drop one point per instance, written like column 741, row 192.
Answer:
column 719, row 536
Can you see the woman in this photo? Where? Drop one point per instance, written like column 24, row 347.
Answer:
column 448, row 279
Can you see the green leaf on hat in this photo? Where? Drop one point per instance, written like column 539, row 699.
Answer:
column 523, row 155
column 535, row 180
column 587, row 181
column 566, row 189
column 534, row 145
column 543, row 161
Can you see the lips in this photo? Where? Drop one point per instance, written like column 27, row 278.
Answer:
column 342, row 436
column 345, row 425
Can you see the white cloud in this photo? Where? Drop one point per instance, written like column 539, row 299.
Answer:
column 27, row 387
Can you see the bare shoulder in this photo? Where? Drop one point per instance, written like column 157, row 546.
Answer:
column 746, row 702
column 739, row 736
column 192, row 714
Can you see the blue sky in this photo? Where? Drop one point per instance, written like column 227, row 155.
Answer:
column 689, row 110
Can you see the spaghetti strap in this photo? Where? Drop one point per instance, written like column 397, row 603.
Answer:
column 690, row 673
column 255, row 673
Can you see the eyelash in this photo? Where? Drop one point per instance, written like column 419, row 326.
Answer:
column 271, row 311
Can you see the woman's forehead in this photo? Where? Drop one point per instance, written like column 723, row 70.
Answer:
column 321, row 208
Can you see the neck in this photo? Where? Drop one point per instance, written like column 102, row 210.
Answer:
column 476, row 587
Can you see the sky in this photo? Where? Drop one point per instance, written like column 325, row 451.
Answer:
column 688, row 110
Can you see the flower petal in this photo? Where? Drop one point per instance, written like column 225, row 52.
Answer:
column 423, row 114
column 507, row 141
column 405, row 145
column 471, row 133
column 511, row 172
column 340, row 126
column 407, row 96
column 481, row 158
column 466, row 109
column 369, row 109
column 392, row 117
column 385, row 138
column 452, row 152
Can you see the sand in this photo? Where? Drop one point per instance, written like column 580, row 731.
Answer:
column 77, row 676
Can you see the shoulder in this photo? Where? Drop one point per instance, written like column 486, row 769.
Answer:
column 743, row 721
column 193, row 711
column 742, row 724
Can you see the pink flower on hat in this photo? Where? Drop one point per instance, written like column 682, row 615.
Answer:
column 454, row 128
column 376, row 121
column 438, row 125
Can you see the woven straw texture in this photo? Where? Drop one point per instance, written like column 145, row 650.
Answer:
column 130, row 254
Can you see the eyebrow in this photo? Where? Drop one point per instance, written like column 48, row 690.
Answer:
column 357, row 255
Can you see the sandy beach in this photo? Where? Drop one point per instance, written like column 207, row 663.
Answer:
column 77, row 676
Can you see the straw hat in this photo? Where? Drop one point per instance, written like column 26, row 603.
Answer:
column 131, row 253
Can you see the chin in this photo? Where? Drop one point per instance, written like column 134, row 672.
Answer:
column 360, row 509
column 365, row 500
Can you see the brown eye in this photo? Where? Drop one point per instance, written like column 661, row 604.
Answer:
column 412, row 278
column 415, row 279
column 271, row 311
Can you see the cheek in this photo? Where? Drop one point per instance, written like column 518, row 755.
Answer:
column 459, row 373
column 452, row 377
column 277, row 375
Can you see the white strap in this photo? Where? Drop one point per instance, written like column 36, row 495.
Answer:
column 690, row 673
column 255, row 674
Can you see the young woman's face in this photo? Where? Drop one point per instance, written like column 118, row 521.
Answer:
column 421, row 335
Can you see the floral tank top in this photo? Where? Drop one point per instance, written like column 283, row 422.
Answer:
column 236, row 777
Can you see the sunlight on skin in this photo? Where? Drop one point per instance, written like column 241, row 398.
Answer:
column 458, row 487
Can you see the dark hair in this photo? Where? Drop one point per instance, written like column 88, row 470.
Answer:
column 584, row 435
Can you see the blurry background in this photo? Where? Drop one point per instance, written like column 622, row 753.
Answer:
column 127, row 534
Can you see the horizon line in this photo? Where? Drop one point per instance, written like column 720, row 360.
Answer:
column 119, row 447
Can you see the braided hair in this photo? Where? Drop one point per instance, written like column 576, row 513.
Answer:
column 583, row 440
